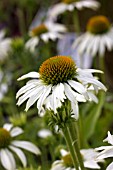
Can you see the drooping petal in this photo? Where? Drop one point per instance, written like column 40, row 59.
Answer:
column 28, row 94
column 102, row 47
column 75, row 110
column 20, row 154
column 92, row 97
column 29, row 75
column 78, row 87
column 108, row 42
column 16, row 131
column 24, row 89
column 93, row 81
column 59, row 91
column 33, row 99
column 69, row 92
column 95, row 45
column 44, row 95
column 83, row 45
column 7, row 159
column 26, row 145
column 32, row 43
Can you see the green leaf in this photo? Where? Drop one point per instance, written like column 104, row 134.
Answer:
column 91, row 119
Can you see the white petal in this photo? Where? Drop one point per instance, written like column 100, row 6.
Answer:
column 95, row 45
column 53, row 36
column 56, row 10
column 77, row 41
column 27, row 145
column 20, row 154
column 69, row 93
column 44, row 95
column 55, row 27
column 33, row 99
column 59, row 92
column 90, row 46
column 108, row 42
column 75, row 110
column 88, row 4
column 16, row 131
column 70, row 7
column 53, row 101
column 104, row 147
column 109, row 139
column 105, row 154
column 93, row 81
column 28, row 94
column 2, row 34
column 78, row 87
column 102, row 47
column 91, row 164
column 84, row 43
column 32, row 43
column 45, row 37
column 92, row 97
column 7, row 159
column 25, row 88
column 110, row 167
column 84, row 71
column 8, row 126
column 44, row 133
column 64, row 152
column 29, row 75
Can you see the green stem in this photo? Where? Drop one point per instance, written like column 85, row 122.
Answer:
column 73, row 129
column 102, row 67
column 76, row 21
column 70, row 146
column 21, row 21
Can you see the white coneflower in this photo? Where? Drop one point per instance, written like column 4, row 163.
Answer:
column 106, row 151
column 69, row 5
column 97, row 38
column 5, row 45
column 89, row 160
column 46, row 31
column 8, row 145
column 58, row 80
